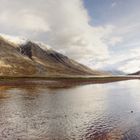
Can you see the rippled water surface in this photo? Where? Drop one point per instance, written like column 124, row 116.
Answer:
column 96, row 111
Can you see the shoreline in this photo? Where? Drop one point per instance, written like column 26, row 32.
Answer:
column 62, row 81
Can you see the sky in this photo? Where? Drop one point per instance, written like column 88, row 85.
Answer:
column 102, row 34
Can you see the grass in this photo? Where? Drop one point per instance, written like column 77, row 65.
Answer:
column 61, row 81
column 73, row 78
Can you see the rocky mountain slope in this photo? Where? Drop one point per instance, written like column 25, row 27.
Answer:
column 31, row 59
column 136, row 73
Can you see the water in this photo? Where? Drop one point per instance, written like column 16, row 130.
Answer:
column 87, row 112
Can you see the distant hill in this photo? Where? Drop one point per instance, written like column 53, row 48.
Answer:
column 136, row 73
column 116, row 72
column 34, row 59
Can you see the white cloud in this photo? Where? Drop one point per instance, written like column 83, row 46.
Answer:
column 13, row 39
column 115, row 40
column 127, row 62
column 113, row 4
column 133, row 64
column 24, row 20
column 63, row 24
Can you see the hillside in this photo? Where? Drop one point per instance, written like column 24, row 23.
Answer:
column 136, row 73
column 33, row 59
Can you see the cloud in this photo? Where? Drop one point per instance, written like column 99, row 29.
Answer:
column 133, row 63
column 63, row 24
column 115, row 40
column 23, row 20
column 113, row 4
column 126, row 61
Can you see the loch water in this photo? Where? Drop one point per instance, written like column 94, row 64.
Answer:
column 108, row 111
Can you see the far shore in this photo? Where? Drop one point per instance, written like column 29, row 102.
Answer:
column 63, row 81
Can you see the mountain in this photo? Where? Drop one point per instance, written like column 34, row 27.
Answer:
column 116, row 72
column 35, row 59
column 136, row 73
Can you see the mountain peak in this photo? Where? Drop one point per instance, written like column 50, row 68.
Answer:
column 34, row 59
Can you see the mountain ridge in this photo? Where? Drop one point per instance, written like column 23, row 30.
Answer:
column 30, row 59
column 135, row 73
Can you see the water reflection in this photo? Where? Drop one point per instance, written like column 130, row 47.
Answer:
column 100, row 112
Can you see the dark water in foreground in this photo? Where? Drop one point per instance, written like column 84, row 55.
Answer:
column 98, row 111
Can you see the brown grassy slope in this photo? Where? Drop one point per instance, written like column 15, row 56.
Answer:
column 58, row 62
column 14, row 62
